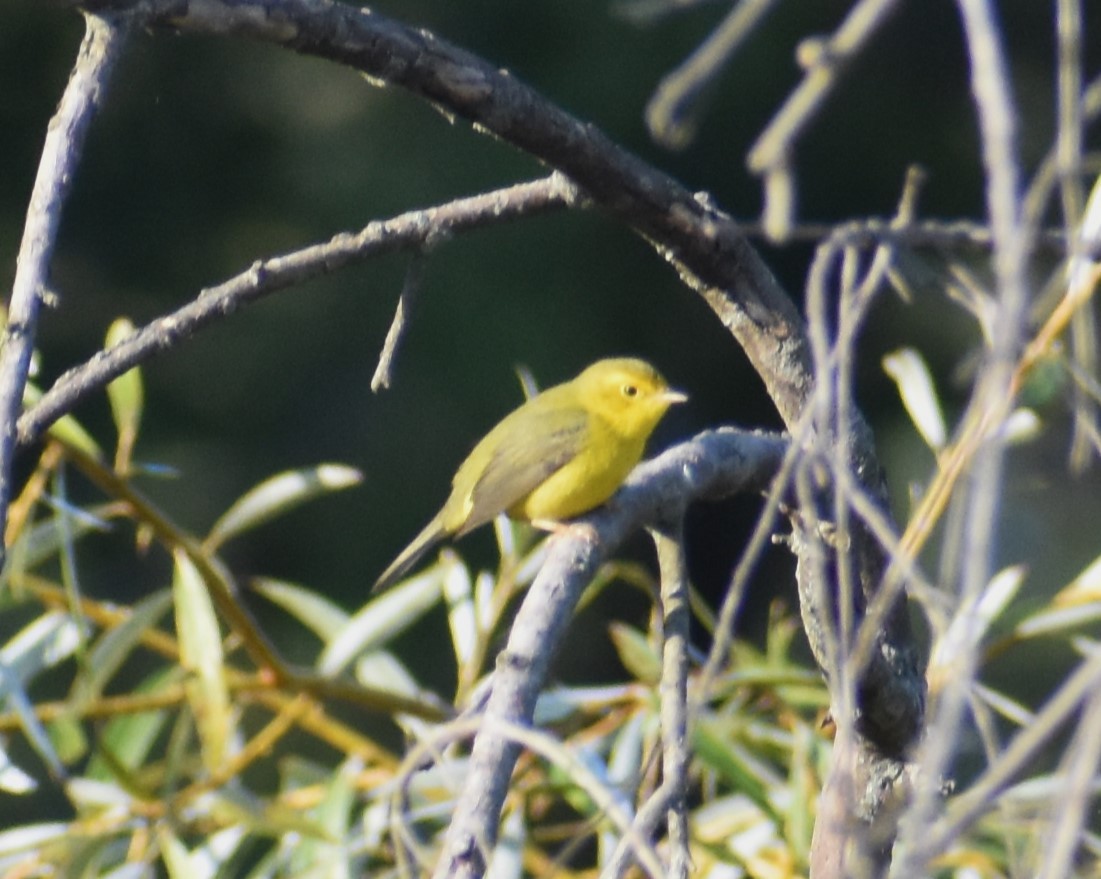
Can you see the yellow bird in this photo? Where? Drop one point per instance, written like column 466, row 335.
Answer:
column 560, row 454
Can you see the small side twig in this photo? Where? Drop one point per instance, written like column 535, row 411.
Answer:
column 414, row 279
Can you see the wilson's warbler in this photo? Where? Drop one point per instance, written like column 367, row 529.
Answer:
column 560, row 454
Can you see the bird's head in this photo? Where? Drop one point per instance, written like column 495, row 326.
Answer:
column 628, row 393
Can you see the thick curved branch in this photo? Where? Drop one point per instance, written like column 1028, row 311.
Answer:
column 706, row 245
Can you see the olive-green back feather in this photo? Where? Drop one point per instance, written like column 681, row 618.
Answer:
column 518, row 463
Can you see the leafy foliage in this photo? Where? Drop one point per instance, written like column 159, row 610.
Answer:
column 183, row 744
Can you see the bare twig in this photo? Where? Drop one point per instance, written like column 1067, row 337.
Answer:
column 992, row 399
column 771, row 155
column 410, row 288
column 672, row 111
column 747, row 564
column 61, row 153
column 673, row 690
column 408, row 231
column 1076, row 780
column 1017, row 757
column 670, row 798
column 1068, row 149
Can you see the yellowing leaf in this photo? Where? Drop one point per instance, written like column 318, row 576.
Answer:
column 636, row 653
column 915, row 385
column 1084, row 588
column 127, row 397
column 202, row 659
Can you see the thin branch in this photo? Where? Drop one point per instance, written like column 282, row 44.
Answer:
column 825, row 61
column 673, row 690
column 1077, row 791
column 954, row 235
column 992, row 398
column 1068, row 150
column 410, row 289
column 672, row 111
column 642, row 827
column 61, row 153
column 1017, row 757
column 723, row 637
column 712, row 464
column 409, row 231
column 823, row 72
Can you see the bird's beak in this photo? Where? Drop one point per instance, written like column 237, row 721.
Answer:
column 670, row 396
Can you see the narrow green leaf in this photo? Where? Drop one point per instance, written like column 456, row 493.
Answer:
column 50, row 639
column 628, row 749
column 278, row 495
column 128, row 738
column 115, row 646
column 42, row 644
column 910, row 373
column 1084, row 588
column 316, row 612
column 14, row 698
column 126, row 396
column 722, row 756
column 201, row 656
column 43, row 542
column 384, row 671
column 31, row 837
column 460, row 608
column 324, row 854
column 1060, row 620
column 68, row 738
column 636, row 653
column 381, row 619
column 88, row 793
column 972, row 621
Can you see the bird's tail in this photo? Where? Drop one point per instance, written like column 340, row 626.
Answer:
column 433, row 532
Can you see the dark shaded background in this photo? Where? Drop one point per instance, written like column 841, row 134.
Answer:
column 211, row 153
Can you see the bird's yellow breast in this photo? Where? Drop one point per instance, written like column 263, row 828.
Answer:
column 587, row 480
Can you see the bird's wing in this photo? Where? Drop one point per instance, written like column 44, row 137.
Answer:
column 520, row 464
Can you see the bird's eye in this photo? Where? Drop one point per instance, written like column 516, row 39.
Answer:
column 630, row 391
